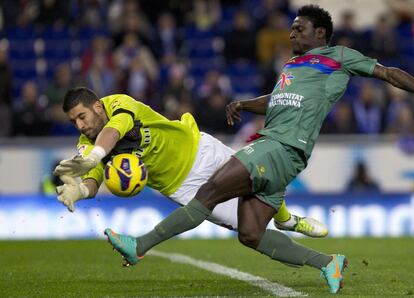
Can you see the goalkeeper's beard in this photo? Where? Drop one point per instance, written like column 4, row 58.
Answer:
column 93, row 131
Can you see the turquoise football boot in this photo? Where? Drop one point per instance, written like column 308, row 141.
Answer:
column 333, row 272
column 125, row 245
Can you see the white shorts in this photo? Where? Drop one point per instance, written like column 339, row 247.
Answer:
column 211, row 155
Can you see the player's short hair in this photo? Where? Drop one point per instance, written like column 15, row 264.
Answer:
column 79, row 95
column 319, row 18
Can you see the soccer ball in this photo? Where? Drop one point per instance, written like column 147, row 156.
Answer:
column 125, row 175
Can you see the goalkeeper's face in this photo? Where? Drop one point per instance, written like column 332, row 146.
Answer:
column 89, row 120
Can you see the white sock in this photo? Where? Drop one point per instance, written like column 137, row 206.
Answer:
column 290, row 223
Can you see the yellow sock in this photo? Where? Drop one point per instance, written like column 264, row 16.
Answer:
column 282, row 214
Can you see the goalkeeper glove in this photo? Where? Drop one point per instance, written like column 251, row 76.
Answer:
column 71, row 191
column 78, row 165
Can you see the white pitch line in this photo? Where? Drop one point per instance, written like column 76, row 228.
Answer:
column 272, row 287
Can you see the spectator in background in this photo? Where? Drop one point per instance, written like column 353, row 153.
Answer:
column 18, row 13
column 382, row 41
column 131, row 48
column 275, row 35
column 403, row 123
column 5, row 91
column 168, row 40
column 214, row 80
column 367, row 110
column 100, row 45
column 133, row 22
column 63, row 81
column 90, row 14
column 52, row 12
column 398, row 100
column 361, row 181
column 99, row 77
column 139, row 83
column 205, row 14
column 341, row 120
column 211, row 115
column 262, row 11
column 347, row 35
column 238, row 42
column 177, row 95
column 30, row 117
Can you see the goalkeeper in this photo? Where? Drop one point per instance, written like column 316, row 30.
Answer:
column 178, row 157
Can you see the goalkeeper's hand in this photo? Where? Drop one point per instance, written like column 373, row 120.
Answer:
column 78, row 165
column 71, row 191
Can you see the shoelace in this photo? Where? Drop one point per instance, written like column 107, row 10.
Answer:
column 302, row 225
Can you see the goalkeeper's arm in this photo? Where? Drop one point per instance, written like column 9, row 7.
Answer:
column 72, row 191
column 92, row 186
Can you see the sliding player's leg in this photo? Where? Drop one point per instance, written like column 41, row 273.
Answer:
column 308, row 226
column 255, row 214
column 212, row 154
column 231, row 180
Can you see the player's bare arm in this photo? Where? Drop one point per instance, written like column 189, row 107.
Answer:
column 92, row 186
column 107, row 138
column 256, row 105
column 395, row 77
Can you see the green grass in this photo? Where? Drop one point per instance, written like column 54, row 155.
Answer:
column 378, row 267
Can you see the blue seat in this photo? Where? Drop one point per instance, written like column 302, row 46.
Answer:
column 244, row 78
column 17, row 33
column 52, row 33
column 192, row 32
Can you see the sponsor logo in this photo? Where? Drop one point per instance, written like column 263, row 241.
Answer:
column 286, row 99
column 285, row 79
column 261, row 170
column 314, row 60
column 248, row 149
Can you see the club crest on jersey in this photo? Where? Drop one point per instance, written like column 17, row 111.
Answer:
column 285, row 79
column 314, row 61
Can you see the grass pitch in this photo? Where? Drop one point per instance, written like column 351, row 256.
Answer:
column 378, row 267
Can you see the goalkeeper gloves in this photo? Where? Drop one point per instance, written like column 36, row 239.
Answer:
column 71, row 191
column 78, row 165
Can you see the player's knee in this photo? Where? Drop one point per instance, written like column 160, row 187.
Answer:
column 250, row 238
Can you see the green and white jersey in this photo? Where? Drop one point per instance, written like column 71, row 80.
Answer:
column 308, row 87
column 168, row 148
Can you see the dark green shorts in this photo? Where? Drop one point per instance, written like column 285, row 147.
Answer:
column 272, row 166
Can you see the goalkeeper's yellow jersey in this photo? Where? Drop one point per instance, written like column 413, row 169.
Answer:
column 168, row 148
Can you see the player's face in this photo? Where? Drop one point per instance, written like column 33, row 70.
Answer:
column 89, row 120
column 303, row 36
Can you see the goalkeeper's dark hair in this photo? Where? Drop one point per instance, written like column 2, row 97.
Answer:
column 79, row 95
column 319, row 18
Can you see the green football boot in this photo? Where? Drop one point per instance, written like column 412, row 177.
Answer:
column 333, row 272
column 305, row 225
column 125, row 245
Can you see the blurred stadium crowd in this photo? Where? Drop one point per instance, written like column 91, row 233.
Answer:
column 180, row 56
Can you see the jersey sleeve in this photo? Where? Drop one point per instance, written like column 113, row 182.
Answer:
column 357, row 64
column 122, row 122
column 84, row 147
column 122, row 113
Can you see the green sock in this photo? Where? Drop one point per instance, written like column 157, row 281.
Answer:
column 182, row 219
column 280, row 247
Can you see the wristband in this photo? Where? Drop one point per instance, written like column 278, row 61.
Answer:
column 98, row 152
column 84, row 190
